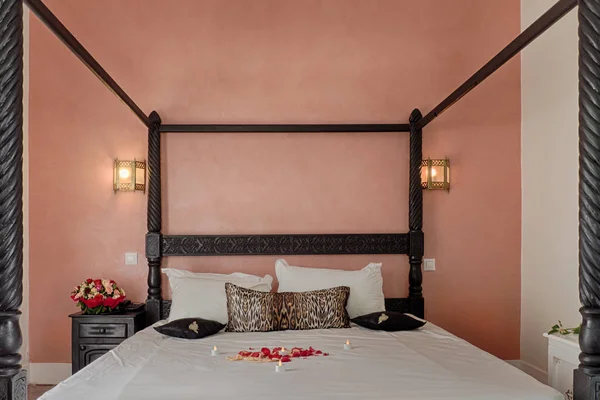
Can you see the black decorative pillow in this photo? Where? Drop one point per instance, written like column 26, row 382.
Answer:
column 253, row 311
column 190, row 328
column 390, row 321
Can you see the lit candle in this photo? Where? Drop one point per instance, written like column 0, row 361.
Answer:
column 214, row 351
column 283, row 352
column 279, row 367
column 347, row 345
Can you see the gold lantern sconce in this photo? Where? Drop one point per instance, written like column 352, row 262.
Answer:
column 435, row 174
column 129, row 176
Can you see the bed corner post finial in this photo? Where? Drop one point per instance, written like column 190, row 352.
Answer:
column 415, row 217
column 586, row 382
column 154, row 222
column 13, row 379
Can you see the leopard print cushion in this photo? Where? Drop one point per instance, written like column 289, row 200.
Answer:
column 252, row 311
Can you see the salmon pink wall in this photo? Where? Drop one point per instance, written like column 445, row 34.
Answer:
column 274, row 61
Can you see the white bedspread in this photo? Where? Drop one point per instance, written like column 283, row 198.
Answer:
column 426, row 364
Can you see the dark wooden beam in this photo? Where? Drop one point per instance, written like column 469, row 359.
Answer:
column 586, row 382
column 53, row 23
column 415, row 217
column 286, row 128
column 548, row 19
column 154, row 220
column 13, row 380
column 240, row 245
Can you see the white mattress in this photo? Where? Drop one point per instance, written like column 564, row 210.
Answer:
column 426, row 364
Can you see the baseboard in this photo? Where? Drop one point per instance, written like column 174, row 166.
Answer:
column 530, row 370
column 48, row 373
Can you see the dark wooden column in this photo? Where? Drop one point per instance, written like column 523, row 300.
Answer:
column 415, row 217
column 154, row 221
column 587, row 376
column 12, row 377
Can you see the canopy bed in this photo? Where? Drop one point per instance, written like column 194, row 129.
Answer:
column 587, row 377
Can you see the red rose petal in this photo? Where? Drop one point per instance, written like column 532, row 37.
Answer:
column 265, row 351
column 255, row 354
column 250, row 348
column 325, row 354
column 285, row 359
column 318, row 352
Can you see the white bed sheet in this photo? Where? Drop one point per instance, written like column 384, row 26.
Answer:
column 429, row 363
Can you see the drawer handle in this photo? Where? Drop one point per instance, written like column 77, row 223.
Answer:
column 81, row 348
column 102, row 330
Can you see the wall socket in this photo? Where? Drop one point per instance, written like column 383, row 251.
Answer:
column 429, row 264
column 131, row 258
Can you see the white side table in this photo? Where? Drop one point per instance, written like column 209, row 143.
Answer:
column 563, row 358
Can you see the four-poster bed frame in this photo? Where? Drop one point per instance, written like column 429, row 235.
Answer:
column 13, row 378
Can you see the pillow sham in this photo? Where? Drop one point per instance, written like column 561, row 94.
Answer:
column 366, row 285
column 182, row 273
column 252, row 311
column 204, row 296
column 190, row 328
column 390, row 321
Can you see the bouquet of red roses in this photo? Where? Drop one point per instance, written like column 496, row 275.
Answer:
column 97, row 296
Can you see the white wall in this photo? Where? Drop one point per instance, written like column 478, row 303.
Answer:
column 549, row 168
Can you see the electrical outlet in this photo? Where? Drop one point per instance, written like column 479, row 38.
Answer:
column 429, row 264
column 131, row 258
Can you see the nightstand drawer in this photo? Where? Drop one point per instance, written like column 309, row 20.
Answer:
column 103, row 330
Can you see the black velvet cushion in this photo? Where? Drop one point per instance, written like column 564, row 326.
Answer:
column 390, row 321
column 190, row 328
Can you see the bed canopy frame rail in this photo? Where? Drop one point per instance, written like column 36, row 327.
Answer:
column 159, row 245
column 13, row 377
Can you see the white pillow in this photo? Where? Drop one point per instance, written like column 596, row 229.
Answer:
column 182, row 273
column 203, row 295
column 366, row 285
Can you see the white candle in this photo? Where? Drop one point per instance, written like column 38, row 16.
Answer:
column 214, row 351
column 347, row 345
column 280, row 367
column 283, row 352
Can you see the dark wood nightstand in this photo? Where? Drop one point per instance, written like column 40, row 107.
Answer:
column 94, row 335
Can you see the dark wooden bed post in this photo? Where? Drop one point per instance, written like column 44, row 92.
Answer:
column 13, row 385
column 587, row 376
column 415, row 217
column 153, row 237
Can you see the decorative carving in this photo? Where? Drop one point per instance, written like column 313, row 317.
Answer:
column 20, row 388
column 165, row 309
column 14, row 387
column 588, row 373
column 11, row 193
column 415, row 201
column 11, row 143
column 154, row 184
column 415, row 209
column 198, row 245
column 154, row 216
column 152, row 245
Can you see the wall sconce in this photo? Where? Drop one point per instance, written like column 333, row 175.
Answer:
column 435, row 174
column 129, row 176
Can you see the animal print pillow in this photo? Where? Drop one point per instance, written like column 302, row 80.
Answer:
column 252, row 311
